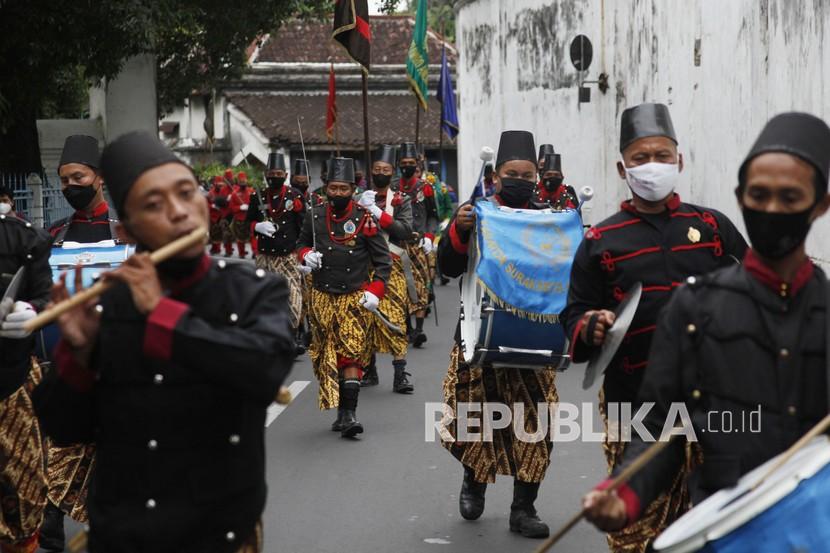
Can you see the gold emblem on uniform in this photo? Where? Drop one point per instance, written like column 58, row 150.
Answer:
column 351, row 243
column 694, row 235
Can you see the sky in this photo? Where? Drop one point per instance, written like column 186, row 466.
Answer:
column 373, row 7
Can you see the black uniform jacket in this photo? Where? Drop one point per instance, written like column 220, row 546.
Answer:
column 424, row 209
column 746, row 356
column 398, row 225
column 660, row 251
column 22, row 244
column 85, row 227
column 176, row 403
column 453, row 246
column 351, row 245
column 286, row 210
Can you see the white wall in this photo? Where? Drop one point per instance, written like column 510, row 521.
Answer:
column 757, row 58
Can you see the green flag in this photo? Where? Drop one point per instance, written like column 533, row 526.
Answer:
column 417, row 62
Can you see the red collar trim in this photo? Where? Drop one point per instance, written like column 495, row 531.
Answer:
column 102, row 208
column 672, row 205
column 770, row 279
column 410, row 186
column 198, row 274
column 346, row 212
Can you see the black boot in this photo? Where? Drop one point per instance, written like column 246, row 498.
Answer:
column 51, row 530
column 402, row 384
column 370, row 375
column 299, row 342
column 337, row 425
column 348, row 401
column 418, row 336
column 523, row 517
column 471, row 499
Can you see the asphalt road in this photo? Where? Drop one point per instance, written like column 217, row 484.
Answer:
column 391, row 490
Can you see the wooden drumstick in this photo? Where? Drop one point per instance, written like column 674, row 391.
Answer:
column 626, row 475
column 162, row 254
column 819, row 428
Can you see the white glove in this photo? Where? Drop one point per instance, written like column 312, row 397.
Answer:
column 370, row 301
column 313, row 260
column 243, row 207
column 426, row 244
column 375, row 211
column 303, row 269
column 266, row 227
column 367, row 198
column 12, row 326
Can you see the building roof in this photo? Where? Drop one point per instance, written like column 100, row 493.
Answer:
column 299, row 41
column 391, row 118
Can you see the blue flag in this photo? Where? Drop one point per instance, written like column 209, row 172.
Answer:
column 525, row 258
column 446, row 95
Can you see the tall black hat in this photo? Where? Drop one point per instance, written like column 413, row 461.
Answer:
column 516, row 145
column 434, row 166
column 341, row 169
column 407, row 151
column 553, row 162
column 80, row 148
column 545, row 149
column 358, row 166
column 386, row 154
column 800, row 134
column 127, row 157
column 301, row 167
column 643, row 121
column 276, row 162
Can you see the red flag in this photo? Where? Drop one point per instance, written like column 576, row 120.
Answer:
column 351, row 29
column 331, row 107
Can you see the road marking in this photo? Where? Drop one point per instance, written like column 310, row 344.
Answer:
column 275, row 410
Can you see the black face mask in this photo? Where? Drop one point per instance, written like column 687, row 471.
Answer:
column 553, row 183
column 380, row 180
column 79, row 196
column 243, row 185
column 339, row 203
column 300, row 185
column 408, row 172
column 275, row 182
column 516, row 192
column 775, row 235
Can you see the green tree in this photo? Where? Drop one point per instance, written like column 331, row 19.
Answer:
column 50, row 51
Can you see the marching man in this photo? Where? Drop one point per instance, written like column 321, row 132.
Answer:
column 393, row 213
column 340, row 242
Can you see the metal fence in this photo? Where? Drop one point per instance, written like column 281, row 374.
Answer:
column 55, row 206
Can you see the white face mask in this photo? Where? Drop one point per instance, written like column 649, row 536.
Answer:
column 652, row 181
column 5, row 208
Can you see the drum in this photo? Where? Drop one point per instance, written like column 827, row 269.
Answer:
column 95, row 259
column 516, row 285
column 788, row 512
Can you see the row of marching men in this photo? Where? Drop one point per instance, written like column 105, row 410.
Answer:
column 721, row 328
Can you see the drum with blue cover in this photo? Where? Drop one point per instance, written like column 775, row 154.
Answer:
column 772, row 508
column 95, row 258
column 516, row 285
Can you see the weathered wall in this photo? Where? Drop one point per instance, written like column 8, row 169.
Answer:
column 756, row 58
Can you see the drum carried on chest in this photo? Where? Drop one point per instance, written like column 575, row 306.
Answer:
column 95, row 258
column 516, row 285
column 788, row 512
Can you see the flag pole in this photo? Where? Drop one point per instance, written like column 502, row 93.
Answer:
column 417, row 121
column 366, row 154
column 441, row 110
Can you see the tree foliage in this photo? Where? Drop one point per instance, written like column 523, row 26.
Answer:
column 48, row 50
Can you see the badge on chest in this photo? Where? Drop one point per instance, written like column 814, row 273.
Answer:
column 349, row 227
column 693, row 235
